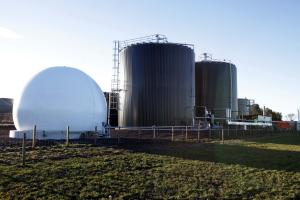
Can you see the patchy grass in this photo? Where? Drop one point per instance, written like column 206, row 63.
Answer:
column 264, row 168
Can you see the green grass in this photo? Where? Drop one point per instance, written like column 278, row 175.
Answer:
column 264, row 168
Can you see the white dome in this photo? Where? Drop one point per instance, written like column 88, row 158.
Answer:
column 58, row 97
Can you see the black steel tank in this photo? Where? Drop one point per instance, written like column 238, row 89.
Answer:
column 216, row 88
column 158, row 85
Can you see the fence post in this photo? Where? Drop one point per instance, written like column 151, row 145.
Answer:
column 209, row 134
column 172, row 133
column 95, row 136
column 109, row 130
column 154, row 136
column 249, row 128
column 23, row 149
column 198, row 132
column 186, row 133
column 222, row 136
column 228, row 134
column 68, row 135
column 139, row 133
column 118, row 135
column 33, row 136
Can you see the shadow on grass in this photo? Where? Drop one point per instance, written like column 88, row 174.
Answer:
column 224, row 153
column 282, row 138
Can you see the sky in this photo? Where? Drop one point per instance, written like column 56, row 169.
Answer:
column 261, row 37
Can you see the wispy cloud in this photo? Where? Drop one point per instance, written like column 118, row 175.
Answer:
column 9, row 34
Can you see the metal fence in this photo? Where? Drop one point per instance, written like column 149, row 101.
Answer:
column 141, row 135
column 192, row 133
column 118, row 135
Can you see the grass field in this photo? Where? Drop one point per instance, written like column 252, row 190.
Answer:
column 263, row 168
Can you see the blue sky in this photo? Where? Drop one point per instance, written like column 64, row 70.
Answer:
column 260, row 36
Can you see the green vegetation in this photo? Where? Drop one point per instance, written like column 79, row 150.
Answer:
column 264, row 168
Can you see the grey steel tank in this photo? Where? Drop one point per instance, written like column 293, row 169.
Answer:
column 244, row 106
column 216, row 88
column 158, row 85
column 6, row 105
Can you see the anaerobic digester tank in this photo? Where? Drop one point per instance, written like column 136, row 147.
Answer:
column 216, row 87
column 158, row 85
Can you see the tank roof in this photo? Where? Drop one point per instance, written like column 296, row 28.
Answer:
column 216, row 61
column 191, row 46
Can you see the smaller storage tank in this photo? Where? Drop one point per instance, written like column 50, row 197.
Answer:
column 216, row 88
column 244, row 106
column 6, row 105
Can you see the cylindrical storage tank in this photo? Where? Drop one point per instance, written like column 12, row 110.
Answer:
column 158, row 85
column 244, row 106
column 216, row 88
column 6, row 105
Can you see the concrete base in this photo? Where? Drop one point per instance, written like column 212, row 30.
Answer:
column 45, row 135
